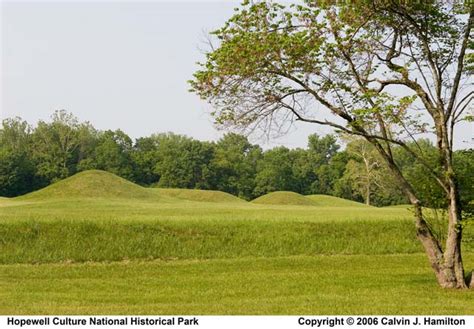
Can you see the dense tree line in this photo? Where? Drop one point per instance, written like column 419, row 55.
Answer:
column 34, row 157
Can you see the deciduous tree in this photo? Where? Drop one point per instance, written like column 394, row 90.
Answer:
column 56, row 146
column 383, row 70
column 17, row 170
column 182, row 161
column 234, row 165
column 112, row 153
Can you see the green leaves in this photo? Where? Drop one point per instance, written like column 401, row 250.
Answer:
column 352, row 59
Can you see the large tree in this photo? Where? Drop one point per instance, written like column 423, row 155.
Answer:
column 59, row 145
column 182, row 162
column 383, row 70
column 327, row 163
column 17, row 171
column 234, row 165
column 112, row 153
column 275, row 172
column 144, row 155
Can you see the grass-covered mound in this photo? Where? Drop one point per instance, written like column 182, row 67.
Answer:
column 322, row 200
column 284, row 198
column 198, row 195
column 92, row 184
column 103, row 184
column 400, row 206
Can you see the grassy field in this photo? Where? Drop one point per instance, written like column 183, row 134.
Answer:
column 356, row 284
column 98, row 244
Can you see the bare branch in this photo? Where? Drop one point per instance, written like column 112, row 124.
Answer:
column 460, row 66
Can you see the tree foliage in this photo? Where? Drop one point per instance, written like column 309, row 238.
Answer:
column 232, row 164
column 182, row 162
column 17, row 171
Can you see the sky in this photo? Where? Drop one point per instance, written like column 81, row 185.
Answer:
column 119, row 65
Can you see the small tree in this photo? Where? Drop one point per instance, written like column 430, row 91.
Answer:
column 383, row 70
column 365, row 169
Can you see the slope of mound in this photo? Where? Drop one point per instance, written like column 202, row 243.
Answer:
column 93, row 184
column 197, row 195
column 4, row 200
column 284, row 198
column 402, row 206
column 322, row 200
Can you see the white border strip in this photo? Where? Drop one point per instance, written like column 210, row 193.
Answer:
column 231, row 322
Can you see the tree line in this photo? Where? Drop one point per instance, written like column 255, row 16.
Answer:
column 32, row 157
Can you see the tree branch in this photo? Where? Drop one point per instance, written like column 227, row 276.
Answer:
column 460, row 65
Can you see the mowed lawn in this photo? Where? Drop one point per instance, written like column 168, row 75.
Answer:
column 113, row 248
column 340, row 284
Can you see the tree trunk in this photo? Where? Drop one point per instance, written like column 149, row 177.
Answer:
column 367, row 191
column 367, row 198
column 453, row 265
column 448, row 267
column 430, row 244
column 452, row 260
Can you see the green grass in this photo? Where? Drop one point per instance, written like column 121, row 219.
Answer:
column 198, row 195
column 91, row 184
column 322, row 200
column 357, row 284
column 86, row 240
column 101, row 184
column 98, row 244
column 115, row 229
column 284, row 198
column 401, row 206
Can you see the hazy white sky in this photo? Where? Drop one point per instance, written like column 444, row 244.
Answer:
column 116, row 64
